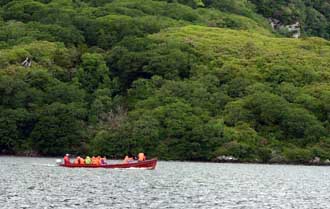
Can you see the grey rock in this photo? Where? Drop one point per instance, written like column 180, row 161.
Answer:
column 224, row 158
column 316, row 160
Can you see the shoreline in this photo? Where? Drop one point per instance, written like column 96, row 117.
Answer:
column 197, row 161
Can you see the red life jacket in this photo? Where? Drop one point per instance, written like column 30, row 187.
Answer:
column 67, row 160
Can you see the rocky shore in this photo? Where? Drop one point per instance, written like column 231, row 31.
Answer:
column 231, row 159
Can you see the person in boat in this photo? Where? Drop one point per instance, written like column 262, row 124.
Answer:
column 77, row 160
column 94, row 160
column 141, row 156
column 66, row 160
column 81, row 161
column 98, row 160
column 88, row 160
column 129, row 158
column 103, row 160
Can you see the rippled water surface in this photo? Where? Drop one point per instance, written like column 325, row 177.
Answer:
column 35, row 183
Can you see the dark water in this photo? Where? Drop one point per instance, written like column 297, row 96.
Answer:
column 30, row 183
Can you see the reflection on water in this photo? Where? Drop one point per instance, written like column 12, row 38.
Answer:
column 36, row 183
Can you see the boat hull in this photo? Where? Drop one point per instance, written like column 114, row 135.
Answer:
column 147, row 164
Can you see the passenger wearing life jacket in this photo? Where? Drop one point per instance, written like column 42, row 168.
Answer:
column 88, row 160
column 141, row 157
column 66, row 160
column 98, row 160
column 94, row 160
column 77, row 160
column 81, row 161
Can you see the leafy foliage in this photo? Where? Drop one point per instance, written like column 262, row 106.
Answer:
column 180, row 80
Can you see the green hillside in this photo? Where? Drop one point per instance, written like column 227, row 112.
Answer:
column 180, row 80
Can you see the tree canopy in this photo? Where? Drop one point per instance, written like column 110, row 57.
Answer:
column 180, row 80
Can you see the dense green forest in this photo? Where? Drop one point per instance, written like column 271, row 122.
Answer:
column 176, row 79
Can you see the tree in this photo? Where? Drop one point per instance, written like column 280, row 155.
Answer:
column 300, row 124
column 59, row 129
column 93, row 73
column 12, row 124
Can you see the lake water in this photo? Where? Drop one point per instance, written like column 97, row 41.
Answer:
column 35, row 183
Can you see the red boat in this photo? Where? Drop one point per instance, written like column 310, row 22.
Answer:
column 147, row 164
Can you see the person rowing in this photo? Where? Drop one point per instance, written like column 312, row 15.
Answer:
column 103, row 160
column 76, row 161
column 79, row 161
column 98, row 160
column 66, row 160
column 128, row 158
column 141, row 156
column 88, row 160
column 94, row 160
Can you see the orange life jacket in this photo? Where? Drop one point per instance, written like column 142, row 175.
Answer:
column 76, row 161
column 82, row 161
column 94, row 160
column 141, row 157
column 98, row 161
